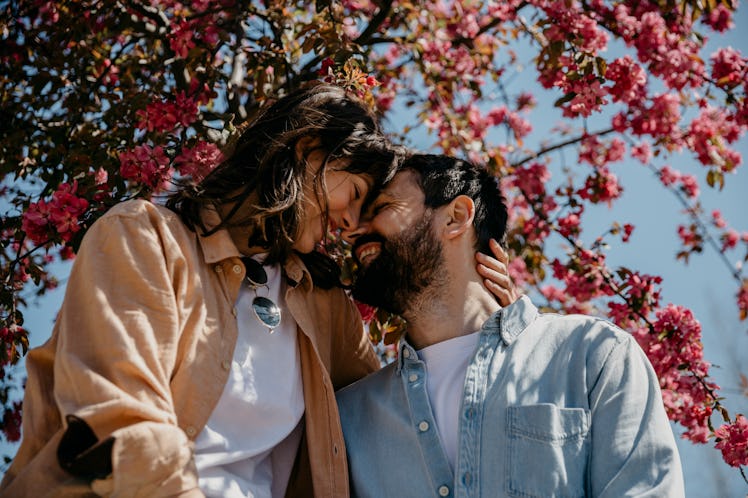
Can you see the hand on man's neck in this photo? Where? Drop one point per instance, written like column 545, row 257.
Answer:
column 458, row 306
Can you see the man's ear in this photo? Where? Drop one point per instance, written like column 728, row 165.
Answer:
column 459, row 216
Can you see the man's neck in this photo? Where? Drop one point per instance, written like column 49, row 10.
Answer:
column 458, row 308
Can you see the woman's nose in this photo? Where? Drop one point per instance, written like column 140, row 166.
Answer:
column 350, row 235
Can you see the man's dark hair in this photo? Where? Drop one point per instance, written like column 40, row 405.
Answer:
column 264, row 161
column 442, row 178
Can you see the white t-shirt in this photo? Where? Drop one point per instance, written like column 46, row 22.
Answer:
column 446, row 366
column 250, row 442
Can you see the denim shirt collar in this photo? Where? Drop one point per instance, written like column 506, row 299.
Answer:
column 508, row 322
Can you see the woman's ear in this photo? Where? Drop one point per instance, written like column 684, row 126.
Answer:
column 304, row 145
column 459, row 216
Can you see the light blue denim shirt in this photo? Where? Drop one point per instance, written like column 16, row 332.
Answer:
column 553, row 405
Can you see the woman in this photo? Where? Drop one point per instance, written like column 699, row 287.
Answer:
column 195, row 352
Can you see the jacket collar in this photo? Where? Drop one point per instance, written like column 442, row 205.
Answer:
column 220, row 246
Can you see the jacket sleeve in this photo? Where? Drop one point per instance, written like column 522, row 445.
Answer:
column 119, row 331
column 633, row 449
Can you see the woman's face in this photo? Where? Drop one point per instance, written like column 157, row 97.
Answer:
column 345, row 196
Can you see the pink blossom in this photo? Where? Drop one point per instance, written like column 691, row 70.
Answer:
column 717, row 219
column 517, row 270
column 689, row 185
column 720, row 19
column 730, row 239
column 367, row 312
column 659, row 120
column 198, row 160
column 45, row 220
column 690, row 237
column 629, row 80
column 553, row 293
column 526, row 101
column 531, row 179
column 12, row 422
column 642, row 152
column 569, row 225
column 101, row 176
column 145, row 164
column 163, row 116
column 601, row 186
column 728, row 67
column 628, row 229
column 669, row 176
column 180, row 39
column 709, row 134
column 732, row 440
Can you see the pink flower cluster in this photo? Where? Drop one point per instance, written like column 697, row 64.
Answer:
column 732, row 441
column 629, row 80
column 162, row 116
column 708, row 136
column 674, row 348
column 582, row 276
column 199, row 160
column 728, row 67
column 146, row 165
column 670, row 177
column 44, row 221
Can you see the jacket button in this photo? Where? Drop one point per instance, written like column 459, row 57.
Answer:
column 443, row 491
column 237, row 269
column 413, row 377
column 191, row 431
column 218, row 268
column 225, row 364
column 423, row 426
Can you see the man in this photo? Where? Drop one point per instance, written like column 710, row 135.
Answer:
column 484, row 401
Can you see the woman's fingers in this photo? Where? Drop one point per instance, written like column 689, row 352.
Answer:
column 495, row 273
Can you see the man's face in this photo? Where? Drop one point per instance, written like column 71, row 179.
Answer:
column 398, row 254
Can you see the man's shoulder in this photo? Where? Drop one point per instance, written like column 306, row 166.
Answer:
column 584, row 335
column 370, row 387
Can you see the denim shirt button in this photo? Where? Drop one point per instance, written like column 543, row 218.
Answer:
column 470, row 413
column 443, row 491
column 406, row 353
column 423, row 426
column 413, row 377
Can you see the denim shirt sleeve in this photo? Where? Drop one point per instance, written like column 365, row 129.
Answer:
column 633, row 450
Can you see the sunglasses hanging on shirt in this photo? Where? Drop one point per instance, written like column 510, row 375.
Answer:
column 264, row 309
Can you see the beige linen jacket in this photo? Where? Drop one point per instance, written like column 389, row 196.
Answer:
column 141, row 351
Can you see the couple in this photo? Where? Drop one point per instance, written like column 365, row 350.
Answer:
column 199, row 345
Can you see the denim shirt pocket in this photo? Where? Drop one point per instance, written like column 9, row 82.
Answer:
column 547, row 450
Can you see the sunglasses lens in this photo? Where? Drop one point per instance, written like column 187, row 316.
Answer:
column 267, row 311
column 255, row 272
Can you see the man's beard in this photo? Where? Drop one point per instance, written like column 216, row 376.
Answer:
column 406, row 266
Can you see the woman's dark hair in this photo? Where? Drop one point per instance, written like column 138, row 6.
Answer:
column 264, row 162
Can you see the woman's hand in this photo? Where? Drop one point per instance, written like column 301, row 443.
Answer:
column 495, row 274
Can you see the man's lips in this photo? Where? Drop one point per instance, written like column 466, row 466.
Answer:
column 368, row 252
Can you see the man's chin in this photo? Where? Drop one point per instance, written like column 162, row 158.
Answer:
column 375, row 295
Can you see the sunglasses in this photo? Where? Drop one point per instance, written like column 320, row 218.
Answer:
column 264, row 309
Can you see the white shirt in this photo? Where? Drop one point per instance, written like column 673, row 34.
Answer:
column 248, row 447
column 446, row 365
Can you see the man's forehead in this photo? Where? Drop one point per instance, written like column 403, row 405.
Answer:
column 404, row 184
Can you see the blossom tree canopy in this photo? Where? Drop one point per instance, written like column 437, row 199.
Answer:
column 106, row 101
